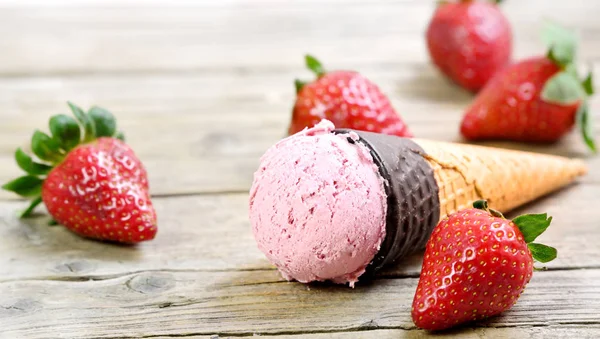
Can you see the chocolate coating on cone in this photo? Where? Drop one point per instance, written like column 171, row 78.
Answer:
column 412, row 195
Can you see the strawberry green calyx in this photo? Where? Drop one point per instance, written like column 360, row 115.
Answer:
column 66, row 133
column 566, row 87
column 299, row 85
column 530, row 226
column 313, row 65
column 483, row 205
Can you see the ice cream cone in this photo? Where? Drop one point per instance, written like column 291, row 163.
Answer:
column 505, row 178
column 428, row 180
column 331, row 204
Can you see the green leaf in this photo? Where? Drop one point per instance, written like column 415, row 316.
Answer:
column 561, row 42
column 28, row 165
column 104, row 122
column 588, row 84
column 52, row 222
column 45, row 147
column 532, row 225
column 563, row 89
column 89, row 132
column 31, row 207
column 542, row 253
column 25, row 186
column 120, row 136
column 299, row 85
column 314, row 65
column 65, row 130
column 585, row 124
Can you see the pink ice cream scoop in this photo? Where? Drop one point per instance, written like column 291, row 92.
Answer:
column 318, row 206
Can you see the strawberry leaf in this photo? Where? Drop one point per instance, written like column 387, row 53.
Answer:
column 584, row 122
column 120, row 135
column 314, row 65
column 45, row 147
column 65, row 130
column 563, row 89
column 561, row 43
column 25, row 186
column 28, row 165
column 31, row 207
column 542, row 253
column 104, row 122
column 299, row 85
column 532, row 225
column 588, row 84
column 89, row 132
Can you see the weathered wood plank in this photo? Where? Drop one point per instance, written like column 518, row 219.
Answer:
column 75, row 39
column 212, row 233
column 205, row 133
column 546, row 332
column 205, row 303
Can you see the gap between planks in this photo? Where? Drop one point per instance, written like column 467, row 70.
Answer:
column 154, row 304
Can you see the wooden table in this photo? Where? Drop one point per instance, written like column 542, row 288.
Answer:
column 202, row 89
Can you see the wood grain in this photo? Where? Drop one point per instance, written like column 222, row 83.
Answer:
column 267, row 34
column 546, row 332
column 202, row 89
column 212, row 233
column 205, row 132
column 258, row 302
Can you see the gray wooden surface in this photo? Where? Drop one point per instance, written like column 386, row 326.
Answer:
column 202, row 88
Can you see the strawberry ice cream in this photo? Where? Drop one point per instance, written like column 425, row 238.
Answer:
column 332, row 204
column 318, row 206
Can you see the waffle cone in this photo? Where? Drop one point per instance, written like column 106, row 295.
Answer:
column 505, row 178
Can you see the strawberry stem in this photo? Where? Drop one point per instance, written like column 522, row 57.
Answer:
column 483, row 205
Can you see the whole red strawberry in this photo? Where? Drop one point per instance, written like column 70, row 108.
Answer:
column 538, row 99
column 469, row 41
column 93, row 184
column 347, row 99
column 476, row 265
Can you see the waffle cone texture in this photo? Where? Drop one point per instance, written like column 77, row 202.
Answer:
column 426, row 180
column 505, row 178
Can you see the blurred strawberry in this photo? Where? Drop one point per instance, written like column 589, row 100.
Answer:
column 469, row 41
column 346, row 98
column 538, row 99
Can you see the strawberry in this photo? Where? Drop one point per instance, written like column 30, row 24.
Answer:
column 476, row 265
column 537, row 99
column 469, row 41
column 346, row 98
column 93, row 184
